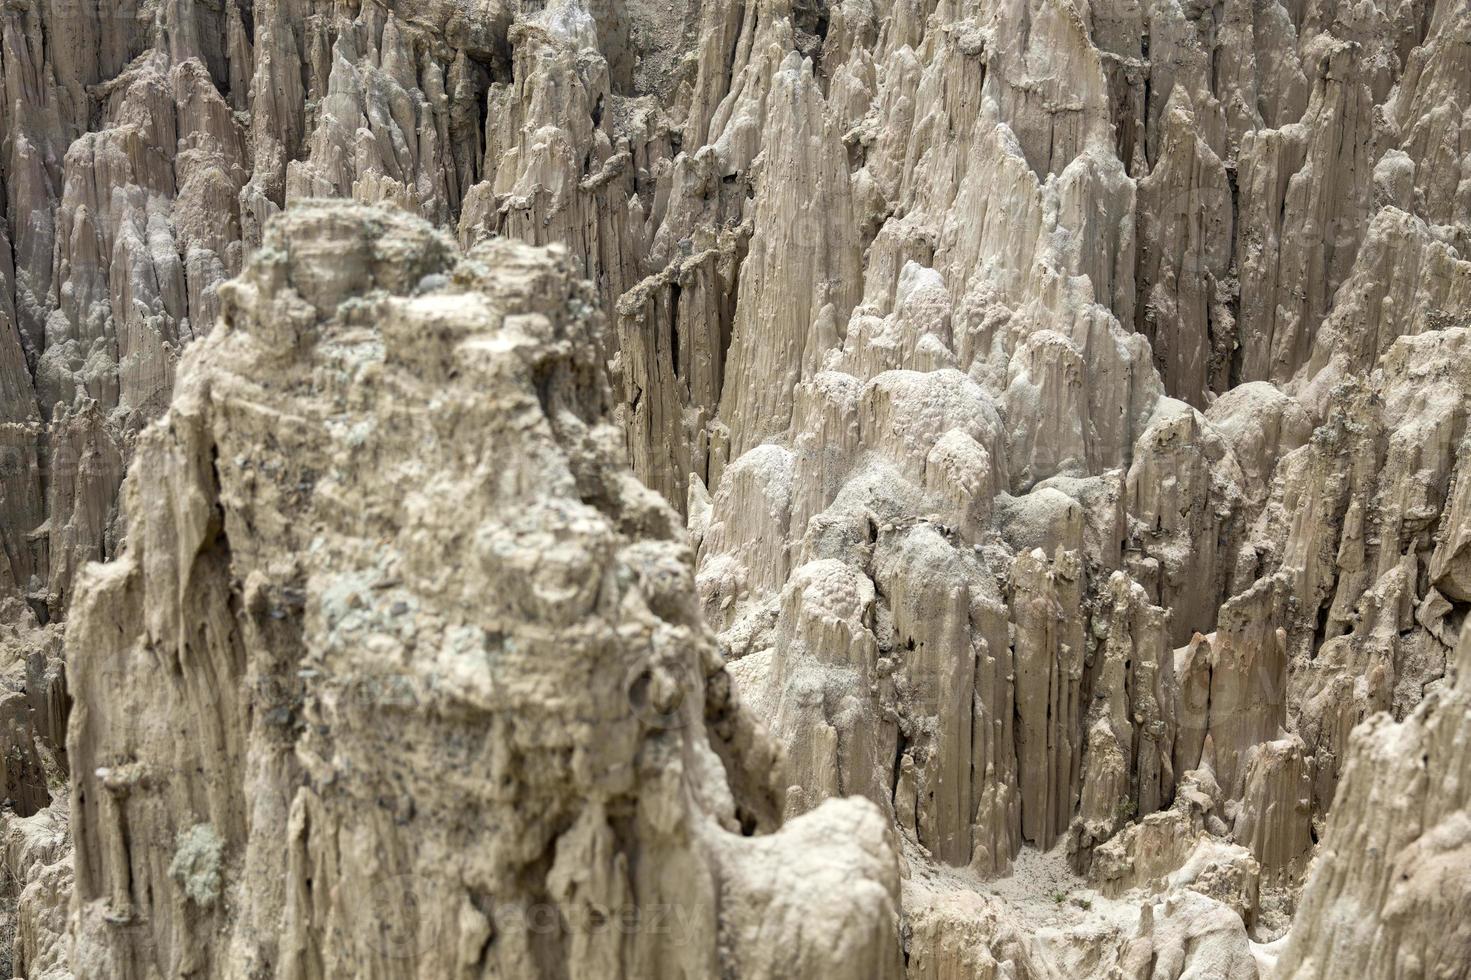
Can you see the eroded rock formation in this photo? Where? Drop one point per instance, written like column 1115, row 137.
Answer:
column 1062, row 406
column 308, row 600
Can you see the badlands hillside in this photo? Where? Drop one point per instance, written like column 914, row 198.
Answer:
column 735, row 489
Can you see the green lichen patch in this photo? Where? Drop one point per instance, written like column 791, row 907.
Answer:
column 196, row 864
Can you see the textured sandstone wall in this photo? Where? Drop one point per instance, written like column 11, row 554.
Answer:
column 409, row 668
column 1065, row 400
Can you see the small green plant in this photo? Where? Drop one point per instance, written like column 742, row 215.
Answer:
column 1059, row 897
column 1125, row 809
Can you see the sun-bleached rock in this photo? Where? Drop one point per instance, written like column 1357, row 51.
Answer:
column 1388, row 891
column 1066, row 404
column 288, row 597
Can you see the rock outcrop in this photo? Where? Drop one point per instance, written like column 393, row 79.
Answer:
column 383, row 520
column 1388, row 894
column 1048, row 417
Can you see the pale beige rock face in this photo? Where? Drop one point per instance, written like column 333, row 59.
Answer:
column 1048, row 416
column 385, row 520
column 1388, row 894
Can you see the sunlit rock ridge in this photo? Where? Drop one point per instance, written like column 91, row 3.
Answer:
column 735, row 489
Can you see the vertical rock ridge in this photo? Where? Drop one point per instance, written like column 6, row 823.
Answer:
column 1065, row 400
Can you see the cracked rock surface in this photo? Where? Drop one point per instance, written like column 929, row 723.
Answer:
column 735, row 488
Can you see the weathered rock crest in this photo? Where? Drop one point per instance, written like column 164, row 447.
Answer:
column 1065, row 401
